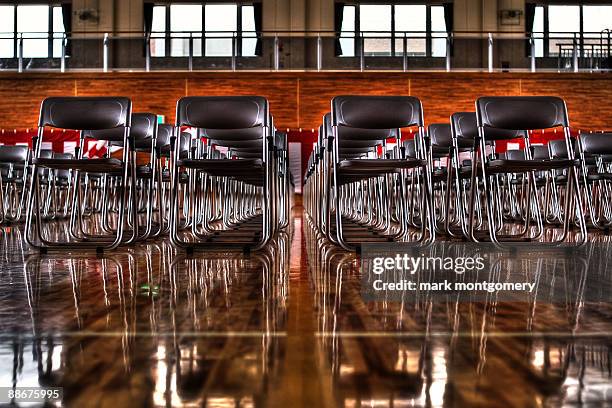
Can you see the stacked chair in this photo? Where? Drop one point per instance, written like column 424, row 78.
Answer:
column 219, row 176
column 365, row 187
column 237, row 177
column 224, row 183
column 522, row 114
column 596, row 148
column 100, row 118
column 13, row 179
column 449, row 181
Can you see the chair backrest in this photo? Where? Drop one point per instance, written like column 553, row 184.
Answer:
column 237, row 134
column 376, row 112
column 515, row 155
column 596, row 143
column 465, row 126
column 540, row 152
column 222, row 112
column 440, row 135
column 184, row 144
column 142, row 131
column 521, row 112
column 558, row 148
column 327, row 125
column 410, row 149
column 85, row 113
column 164, row 133
column 280, row 140
column 46, row 154
column 13, row 154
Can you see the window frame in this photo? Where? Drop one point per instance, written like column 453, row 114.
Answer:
column 50, row 33
column 393, row 53
column 168, row 33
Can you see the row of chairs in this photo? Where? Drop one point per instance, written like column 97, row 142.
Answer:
column 448, row 181
column 225, row 184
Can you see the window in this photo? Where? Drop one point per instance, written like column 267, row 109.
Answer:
column 438, row 32
column 538, row 30
column 221, row 21
column 596, row 20
column 347, row 31
column 211, row 27
column 41, row 26
column 58, row 32
column 556, row 26
column 410, row 22
column 392, row 29
column 562, row 22
column 249, row 40
column 375, row 23
column 185, row 22
column 158, row 28
column 7, row 22
column 33, row 22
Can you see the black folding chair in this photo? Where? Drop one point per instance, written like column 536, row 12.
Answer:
column 86, row 114
column 14, row 173
column 523, row 114
column 368, row 120
column 242, row 123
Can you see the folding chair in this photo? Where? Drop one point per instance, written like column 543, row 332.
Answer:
column 367, row 120
column 247, row 185
column 142, row 141
column 596, row 180
column 522, row 114
column 14, row 173
column 86, row 114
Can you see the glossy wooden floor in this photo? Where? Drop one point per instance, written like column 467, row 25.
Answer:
column 145, row 326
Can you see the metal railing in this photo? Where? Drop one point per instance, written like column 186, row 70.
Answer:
column 304, row 50
column 586, row 53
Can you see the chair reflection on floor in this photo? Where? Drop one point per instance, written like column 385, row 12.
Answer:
column 426, row 331
column 245, row 343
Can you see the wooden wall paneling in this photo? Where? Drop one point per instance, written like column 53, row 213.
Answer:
column 589, row 102
column 155, row 95
column 317, row 91
column 280, row 90
column 443, row 96
column 299, row 99
column 20, row 100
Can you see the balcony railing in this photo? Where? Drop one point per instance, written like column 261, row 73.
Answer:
column 309, row 51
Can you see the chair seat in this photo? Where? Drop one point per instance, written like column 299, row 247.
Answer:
column 366, row 166
column 465, row 172
column 107, row 165
column 521, row 166
column 600, row 176
column 225, row 167
column 144, row 172
column 353, row 170
column 439, row 175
